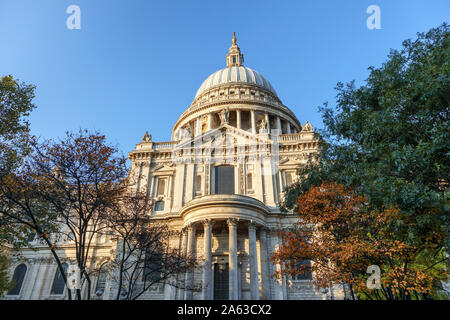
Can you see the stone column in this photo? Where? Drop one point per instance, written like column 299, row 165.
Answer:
column 254, row 285
column 266, row 116
column 264, row 261
column 207, row 285
column 277, row 282
column 209, row 121
column 188, row 294
column 280, row 267
column 233, row 259
column 238, row 119
column 253, row 121
column 279, row 124
column 197, row 127
column 288, row 128
column 184, row 240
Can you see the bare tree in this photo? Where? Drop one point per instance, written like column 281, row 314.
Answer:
column 24, row 216
column 79, row 177
column 144, row 257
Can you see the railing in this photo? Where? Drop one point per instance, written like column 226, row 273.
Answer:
column 290, row 137
column 164, row 145
column 264, row 99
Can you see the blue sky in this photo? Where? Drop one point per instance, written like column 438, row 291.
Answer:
column 136, row 65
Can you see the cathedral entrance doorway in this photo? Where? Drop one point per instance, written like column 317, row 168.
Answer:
column 221, row 286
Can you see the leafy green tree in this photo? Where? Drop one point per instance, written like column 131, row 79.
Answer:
column 389, row 140
column 15, row 106
column 5, row 282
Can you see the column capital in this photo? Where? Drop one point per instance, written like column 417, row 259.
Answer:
column 177, row 232
column 190, row 226
column 264, row 229
column 252, row 225
column 232, row 222
column 208, row 222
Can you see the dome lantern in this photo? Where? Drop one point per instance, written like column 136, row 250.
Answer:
column 234, row 57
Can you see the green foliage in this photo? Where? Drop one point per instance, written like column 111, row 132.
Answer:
column 5, row 282
column 390, row 138
column 15, row 106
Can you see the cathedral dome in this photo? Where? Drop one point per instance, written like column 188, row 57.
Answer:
column 248, row 98
column 235, row 74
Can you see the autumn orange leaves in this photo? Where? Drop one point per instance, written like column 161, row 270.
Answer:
column 342, row 236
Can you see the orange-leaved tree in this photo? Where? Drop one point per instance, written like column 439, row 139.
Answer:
column 341, row 237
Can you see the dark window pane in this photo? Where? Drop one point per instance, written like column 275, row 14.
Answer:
column 221, row 289
column 224, row 180
column 249, row 181
column 101, row 281
column 198, row 185
column 18, row 276
column 159, row 206
column 152, row 267
column 58, row 281
column 305, row 266
column 161, row 187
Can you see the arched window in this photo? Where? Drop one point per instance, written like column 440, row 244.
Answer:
column 101, row 280
column 18, row 276
column 58, row 281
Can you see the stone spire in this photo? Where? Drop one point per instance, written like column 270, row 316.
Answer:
column 234, row 57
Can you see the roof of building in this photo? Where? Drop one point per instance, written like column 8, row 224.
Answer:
column 235, row 72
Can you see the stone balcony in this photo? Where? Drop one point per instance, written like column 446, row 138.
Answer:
column 224, row 206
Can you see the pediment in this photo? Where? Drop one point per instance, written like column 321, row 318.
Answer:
column 163, row 168
column 224, row 131
column 289, row 161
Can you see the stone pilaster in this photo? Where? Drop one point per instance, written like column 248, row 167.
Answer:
column 254, row 285
column 265, row 281
column 191, row 244
column 238, row 119
column 233, row 259
column 207, row 278
column 253, row 121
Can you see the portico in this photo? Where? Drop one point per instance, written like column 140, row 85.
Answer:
column 244, row 220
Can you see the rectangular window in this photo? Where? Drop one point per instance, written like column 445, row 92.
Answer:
column 198, row 185
column 161, row 187
column 249, row 182
column 288, row 178
column 152, row 267
column 224, row 178
column 306, row 273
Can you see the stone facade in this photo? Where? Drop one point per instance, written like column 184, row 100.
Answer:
column 236, row 120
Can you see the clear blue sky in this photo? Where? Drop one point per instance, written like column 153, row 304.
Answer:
column 136, row 65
